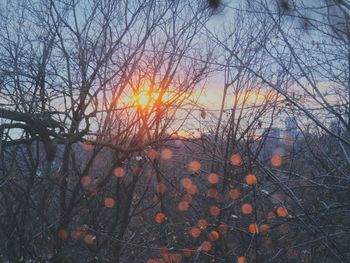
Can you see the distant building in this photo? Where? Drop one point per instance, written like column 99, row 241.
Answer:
column 291, row 126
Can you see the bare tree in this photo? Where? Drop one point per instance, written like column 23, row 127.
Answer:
column 92, row 84
column 305, row 47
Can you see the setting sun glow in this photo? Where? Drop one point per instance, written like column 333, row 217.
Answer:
column 143, row 98
column 147, row 98
column 254, row 97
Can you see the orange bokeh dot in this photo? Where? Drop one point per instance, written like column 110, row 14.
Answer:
column 264, row 228
column 282, row 212
column 212, row 193
column 253, row 229
column 192, row 189
column 213, row 178
column 152, row 154
column 222, row 228
column 236, row 159
column 62, row 234
column 109, row 202
column 160, row 217
column 214, row 210
column 195, row 232
column 161, row 188
column 206, row 246
column 89, row 239
column 234, row 194
column 202, row 224
column 247, row 209
column 183, row 206
column 250, row 179
column 186, row 182
column 241, row 259
column 119, row 172
column 167, row 154
column 85, row 180
column 214, row 235
column 276, row 160
column 195, row 166
column 76, row 234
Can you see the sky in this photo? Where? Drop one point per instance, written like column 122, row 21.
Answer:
column 210, row 98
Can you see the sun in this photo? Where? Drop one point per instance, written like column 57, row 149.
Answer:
column 143, row 99
column 148, row 98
